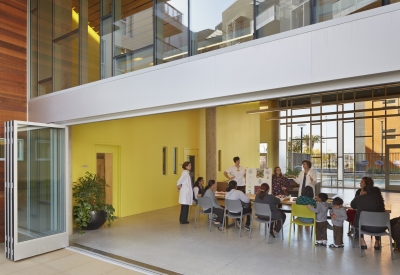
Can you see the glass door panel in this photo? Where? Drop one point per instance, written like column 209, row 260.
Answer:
column 392, row 160
column 35, row 189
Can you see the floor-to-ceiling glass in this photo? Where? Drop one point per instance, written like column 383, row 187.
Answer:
column 74, row 42
column 219, row 24
column 132, row 35
column 171, row 30
column 343, row 133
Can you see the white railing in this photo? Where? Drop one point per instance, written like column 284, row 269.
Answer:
column 345, row 7
column 267, row 16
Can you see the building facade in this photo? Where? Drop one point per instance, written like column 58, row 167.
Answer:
column 144, row 85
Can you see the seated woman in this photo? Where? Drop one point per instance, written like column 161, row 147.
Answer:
column 198, row 188
column 279, row 182
column 372, row 201
column 307, row 199
column 209, row 192
column 233, row 194
column 273, row 202
column 351, row 213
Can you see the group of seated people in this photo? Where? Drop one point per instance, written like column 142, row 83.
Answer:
column 232, row 193
column 368, row 198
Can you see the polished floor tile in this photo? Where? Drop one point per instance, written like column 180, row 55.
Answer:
column 157, row 239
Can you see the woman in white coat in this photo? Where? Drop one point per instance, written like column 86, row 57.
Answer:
column 307, row 177
column 184, row 186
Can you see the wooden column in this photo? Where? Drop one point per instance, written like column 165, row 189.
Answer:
column 13, row 18
column 211, row 144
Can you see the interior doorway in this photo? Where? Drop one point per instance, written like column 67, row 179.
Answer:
column 107, row 161
column 104, row 169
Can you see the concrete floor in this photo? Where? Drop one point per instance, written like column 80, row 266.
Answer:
column 156, row 238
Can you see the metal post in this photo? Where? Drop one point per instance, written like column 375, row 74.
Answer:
column 381, row 145
column 301, row 140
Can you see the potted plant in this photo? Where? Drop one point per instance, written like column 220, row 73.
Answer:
column 91, row 211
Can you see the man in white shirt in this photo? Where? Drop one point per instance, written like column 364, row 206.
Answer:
column 237, row 173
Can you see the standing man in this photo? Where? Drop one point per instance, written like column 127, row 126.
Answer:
column 237, row 173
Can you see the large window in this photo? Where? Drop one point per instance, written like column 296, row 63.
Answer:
column 219, row 24
column 74, row 42
column 345, row 141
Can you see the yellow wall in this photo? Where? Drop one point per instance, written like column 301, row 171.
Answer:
column 238, row 134
column 142, row 186
column 138, row 183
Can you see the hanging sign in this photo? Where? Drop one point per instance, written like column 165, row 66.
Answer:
column 396, row 162
column 364, row 162
column 379, row 162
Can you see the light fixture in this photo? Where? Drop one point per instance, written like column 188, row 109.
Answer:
column 137, row 58
column 263, row 107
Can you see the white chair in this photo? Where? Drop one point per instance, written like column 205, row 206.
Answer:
column 234, row 206
column 377, row 219
column 262, row 209
column 203, row 203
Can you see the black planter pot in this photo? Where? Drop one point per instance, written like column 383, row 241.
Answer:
column 98, row 218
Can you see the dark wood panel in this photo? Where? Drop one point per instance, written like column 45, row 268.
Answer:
column 12, row 72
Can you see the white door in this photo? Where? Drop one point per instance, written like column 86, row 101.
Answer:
column 35, row 188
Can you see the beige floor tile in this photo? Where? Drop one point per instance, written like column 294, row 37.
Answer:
column 36, row 270
column 51, row 256
column 93, row 267
column 8, row 267
column 122, row 271
column 69, row 262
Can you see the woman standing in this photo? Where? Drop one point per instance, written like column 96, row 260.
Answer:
column 279, row 182
column 198, row 188
column 237, row 173
column 307, row 177
column 184, row 186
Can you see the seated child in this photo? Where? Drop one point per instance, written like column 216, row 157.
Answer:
column 338, row 215
column 307, row 199
column 322, row 212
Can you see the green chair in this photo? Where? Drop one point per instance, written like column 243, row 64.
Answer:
column 303, row 212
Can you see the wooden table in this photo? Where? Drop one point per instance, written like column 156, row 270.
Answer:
column 286, row 204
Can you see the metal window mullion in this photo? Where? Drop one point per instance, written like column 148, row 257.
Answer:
column 154, row 32
column 53, row 164
column 112, row 38
column 28, row 183
column 189, row 34
column 14, row 184
column 354, row 153
column 254, row 19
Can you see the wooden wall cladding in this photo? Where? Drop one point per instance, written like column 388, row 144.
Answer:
column 13, row 16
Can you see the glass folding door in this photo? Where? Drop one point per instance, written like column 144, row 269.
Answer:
column 35, row 188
